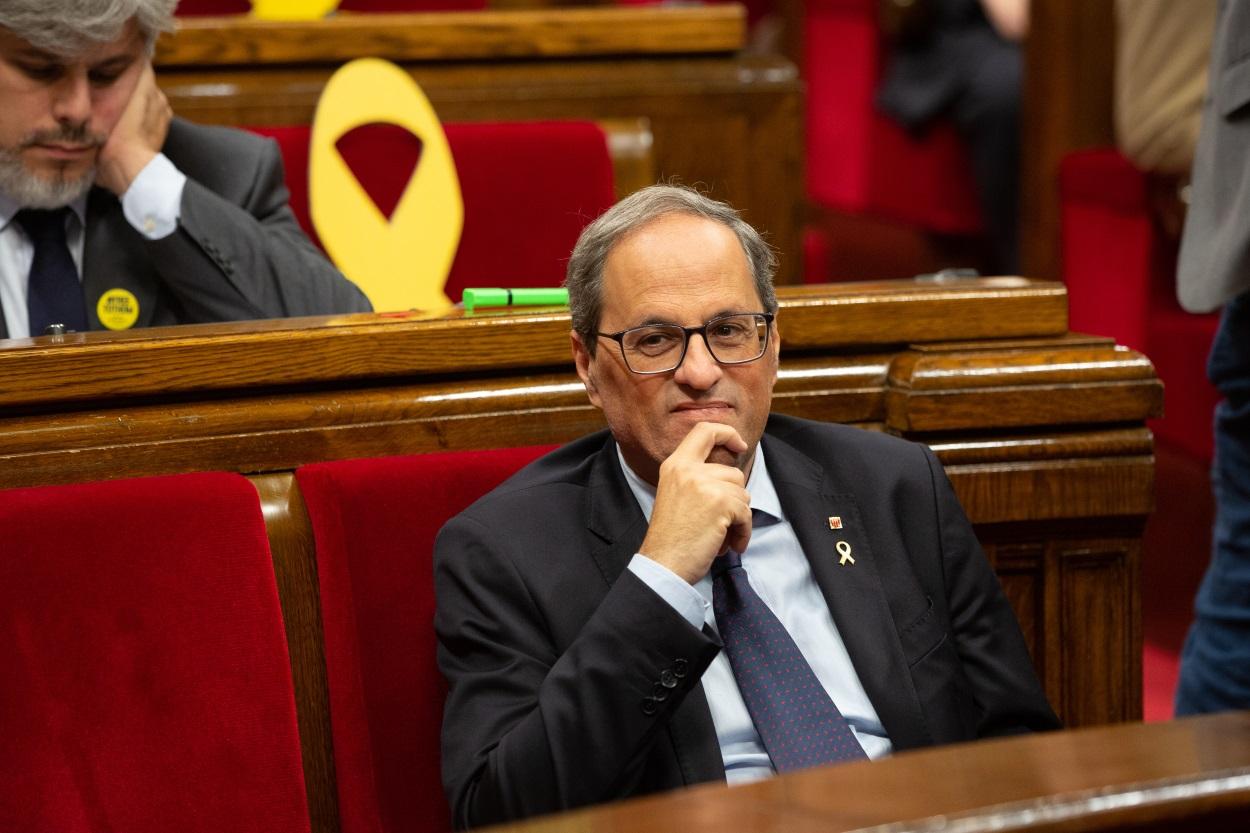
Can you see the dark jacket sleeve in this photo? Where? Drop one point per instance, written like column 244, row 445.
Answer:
column 534, row 723
column 995, row 658
column 238, row 252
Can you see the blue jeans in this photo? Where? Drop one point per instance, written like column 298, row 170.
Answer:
column 1215, row 663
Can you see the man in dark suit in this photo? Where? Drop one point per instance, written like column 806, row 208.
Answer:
column 583, row 605
column 114, row 214
column 1214, row 270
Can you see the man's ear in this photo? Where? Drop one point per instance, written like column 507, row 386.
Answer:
column 582, row 359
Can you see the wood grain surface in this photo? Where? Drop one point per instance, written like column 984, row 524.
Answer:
column 568, row 32
column 1188, row 775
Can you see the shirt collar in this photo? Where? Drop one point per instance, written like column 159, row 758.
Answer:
column 764, row 498
column 9, row 208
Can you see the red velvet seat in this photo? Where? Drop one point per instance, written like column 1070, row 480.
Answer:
column 146, row 680
column 1121, row 276
column 374, row 523
column 859, row 161
column 529, row 188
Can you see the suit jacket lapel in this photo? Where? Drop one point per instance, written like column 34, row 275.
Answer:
column 114, row 258
column 615, row 518
column 851, row 584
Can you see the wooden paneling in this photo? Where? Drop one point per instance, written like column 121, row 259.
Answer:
column 1097, row 617
column 721, row 119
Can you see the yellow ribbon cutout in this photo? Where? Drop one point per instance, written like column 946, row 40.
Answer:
column 401, row 264
column 292, row 9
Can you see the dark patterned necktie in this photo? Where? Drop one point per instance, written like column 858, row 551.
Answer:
column 798, row 723
column 54, row 294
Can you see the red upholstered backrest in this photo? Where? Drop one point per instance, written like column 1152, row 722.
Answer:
column 146, row 680
column 529, row 188
column 1108, row 245
column 374, row 523
column 1120, row 268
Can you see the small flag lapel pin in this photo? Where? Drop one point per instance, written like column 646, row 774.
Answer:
column 835, row 522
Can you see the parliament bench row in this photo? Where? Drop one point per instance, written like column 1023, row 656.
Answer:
column 153, row 676
column 1041, row 432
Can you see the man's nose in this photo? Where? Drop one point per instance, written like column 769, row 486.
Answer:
column 699, row 369
column 71, row 102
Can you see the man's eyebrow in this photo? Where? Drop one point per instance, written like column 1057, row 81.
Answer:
column 119, row 61
column 26, row 52
column 653, row 320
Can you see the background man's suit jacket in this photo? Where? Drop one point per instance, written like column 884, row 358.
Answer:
column 550, row 644
column 1214, row 263
column 238, row 252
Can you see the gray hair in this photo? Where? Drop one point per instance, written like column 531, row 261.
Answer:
column 584, row 279
column 68, row 28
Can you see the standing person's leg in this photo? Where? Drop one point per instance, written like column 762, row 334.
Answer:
column 1215, row 663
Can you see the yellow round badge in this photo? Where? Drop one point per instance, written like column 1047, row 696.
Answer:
column 118, row 309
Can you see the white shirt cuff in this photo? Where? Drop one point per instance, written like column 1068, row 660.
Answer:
column 670, row 587
column 153, row 202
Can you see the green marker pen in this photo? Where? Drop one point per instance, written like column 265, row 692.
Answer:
column 533, row 297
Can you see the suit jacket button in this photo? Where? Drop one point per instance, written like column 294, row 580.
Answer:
column 650, row 706
column 668, row 679
column 659, row 692
column 679, row 668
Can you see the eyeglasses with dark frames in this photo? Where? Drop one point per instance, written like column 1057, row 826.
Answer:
column 659, row 348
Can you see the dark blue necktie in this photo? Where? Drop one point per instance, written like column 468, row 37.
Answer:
column 798, row 723
column 54, row 294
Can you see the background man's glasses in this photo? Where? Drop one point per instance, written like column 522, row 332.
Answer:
column 659, row 348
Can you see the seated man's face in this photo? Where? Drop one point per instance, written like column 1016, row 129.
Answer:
column 56, row 113
column 686, row 270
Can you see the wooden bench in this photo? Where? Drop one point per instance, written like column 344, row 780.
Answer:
column 1041, row 431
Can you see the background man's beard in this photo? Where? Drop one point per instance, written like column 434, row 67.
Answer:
column 30, row 190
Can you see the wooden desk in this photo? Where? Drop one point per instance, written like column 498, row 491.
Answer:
column 1190, row 775
column 1041, row 431
column 723, row 120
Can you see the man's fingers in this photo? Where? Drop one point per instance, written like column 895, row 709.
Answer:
column 704, row 437
column 737, row 539
column 738, row 535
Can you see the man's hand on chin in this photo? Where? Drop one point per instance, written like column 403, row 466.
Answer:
column 137, row 137
column 701, row 508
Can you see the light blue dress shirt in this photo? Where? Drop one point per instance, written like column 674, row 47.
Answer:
column 152, row 205
column 780, row 574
